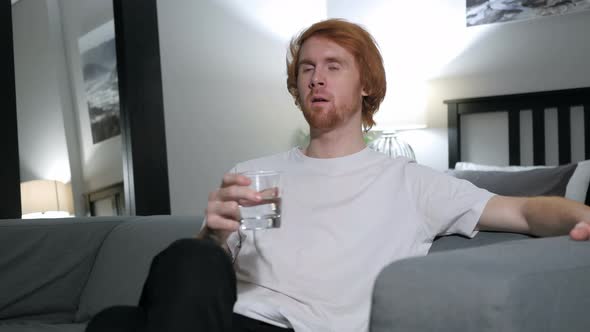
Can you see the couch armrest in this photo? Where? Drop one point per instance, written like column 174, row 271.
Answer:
column 524, row 285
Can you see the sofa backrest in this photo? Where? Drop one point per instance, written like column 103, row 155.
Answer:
column 123, row 262
column 45, row 263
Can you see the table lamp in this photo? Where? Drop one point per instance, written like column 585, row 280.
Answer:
column 389, row 142
column 46, row 199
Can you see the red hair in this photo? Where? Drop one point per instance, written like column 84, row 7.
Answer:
column 361, row 45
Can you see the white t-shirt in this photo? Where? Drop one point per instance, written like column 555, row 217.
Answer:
column 343, row 220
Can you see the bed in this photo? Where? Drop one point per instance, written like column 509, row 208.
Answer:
column 530, row 130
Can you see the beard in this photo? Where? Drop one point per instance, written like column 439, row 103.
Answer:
column 322, row 118
column 326, row 117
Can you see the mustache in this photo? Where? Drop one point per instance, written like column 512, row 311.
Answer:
column 310, row 95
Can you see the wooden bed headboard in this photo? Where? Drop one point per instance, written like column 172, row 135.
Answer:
column 537, row 102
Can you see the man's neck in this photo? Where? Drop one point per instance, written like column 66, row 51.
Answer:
column 334, row 143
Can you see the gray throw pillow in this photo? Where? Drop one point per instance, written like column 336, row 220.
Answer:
column 537, row 182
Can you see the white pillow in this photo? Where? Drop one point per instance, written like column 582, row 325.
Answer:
column 577, row 186
column 467, row 166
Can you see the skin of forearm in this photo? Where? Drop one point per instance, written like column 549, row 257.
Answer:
column 552, row 216
column 208, row 234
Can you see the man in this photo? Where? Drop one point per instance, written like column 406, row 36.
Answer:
column 347, row 212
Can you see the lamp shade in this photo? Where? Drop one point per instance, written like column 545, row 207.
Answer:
column 43, row 196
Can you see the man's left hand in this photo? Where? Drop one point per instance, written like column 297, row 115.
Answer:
column 581, row 232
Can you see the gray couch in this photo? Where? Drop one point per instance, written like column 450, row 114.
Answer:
column 55, row 274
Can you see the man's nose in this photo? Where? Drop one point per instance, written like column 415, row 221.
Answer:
column 317, row 80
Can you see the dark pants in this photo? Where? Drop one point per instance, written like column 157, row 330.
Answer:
column 191, row 286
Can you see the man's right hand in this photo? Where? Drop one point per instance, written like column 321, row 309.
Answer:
column 223, row 212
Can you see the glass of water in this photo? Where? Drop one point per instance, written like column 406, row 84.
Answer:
column 267, row 212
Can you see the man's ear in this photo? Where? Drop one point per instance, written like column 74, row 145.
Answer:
column 364, row 93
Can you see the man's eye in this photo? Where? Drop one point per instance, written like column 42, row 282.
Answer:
column 333, row 68
column 306, row 69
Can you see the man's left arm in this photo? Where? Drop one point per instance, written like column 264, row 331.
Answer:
column 539, row 216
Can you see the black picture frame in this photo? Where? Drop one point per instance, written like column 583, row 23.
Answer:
column 145, row 163
column 10, row 202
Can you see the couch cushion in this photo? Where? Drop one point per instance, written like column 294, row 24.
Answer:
column 32, row 326
column 577, row 187
column 49, row 261
column 551, row 181
column 122, row 264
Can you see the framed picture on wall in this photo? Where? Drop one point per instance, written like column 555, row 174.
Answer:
column 480, row 12
column 99, row 69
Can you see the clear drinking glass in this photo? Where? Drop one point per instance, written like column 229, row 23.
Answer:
column 266, row 213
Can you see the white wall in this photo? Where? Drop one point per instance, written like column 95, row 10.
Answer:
column 430, row 56
column 224, row 76
column 47, row 144
column 42, row 142
column 224, row 96
column 541, row 54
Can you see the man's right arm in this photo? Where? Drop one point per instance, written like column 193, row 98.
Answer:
column 223, row 213
column 207, row 234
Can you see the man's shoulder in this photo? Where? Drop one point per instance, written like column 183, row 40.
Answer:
column 274, row 161
column 408, row 168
